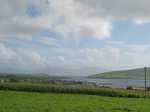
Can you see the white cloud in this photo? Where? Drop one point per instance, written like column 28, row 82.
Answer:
column 109, row 56
column 141, row 21
column 74, row 18
column 51, row 42
column 31, row 59
column 21, row 59
column 71, row 18
column 130, row 47
column 68, row 17
column 6, row 54
column 16, row 23
column 115, row 56
column 119, row 8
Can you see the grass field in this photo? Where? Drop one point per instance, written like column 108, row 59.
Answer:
column 48, row 102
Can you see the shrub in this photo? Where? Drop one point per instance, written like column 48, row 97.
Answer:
column 129, row 88
column 13, row 79
column 148, row 88
column 74, row 90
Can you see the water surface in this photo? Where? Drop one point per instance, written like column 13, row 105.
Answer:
column 119, row 83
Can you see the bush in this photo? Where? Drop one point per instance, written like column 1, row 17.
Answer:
column 74, row 90
column 13, row 79
column 129, row 88
column 148, row 88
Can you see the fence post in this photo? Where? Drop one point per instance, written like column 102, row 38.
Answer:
column 145, row 73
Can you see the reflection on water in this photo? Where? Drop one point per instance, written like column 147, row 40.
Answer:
column 123, row 83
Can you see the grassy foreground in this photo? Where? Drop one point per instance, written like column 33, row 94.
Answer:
column 52, row 102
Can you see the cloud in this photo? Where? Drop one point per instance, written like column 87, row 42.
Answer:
column 119, row 8
column 73, row 18
column 11, row 29
column 131, row 55
column 19, row 59
column 111, row 56
column 70, row 18
column 25, row 20
column 6, row 54
column 48, row 41
column 130, row 47
column 16, row 21
column 141, row 21
column 11, row 9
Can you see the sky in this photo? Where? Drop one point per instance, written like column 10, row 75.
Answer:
column 73, row 37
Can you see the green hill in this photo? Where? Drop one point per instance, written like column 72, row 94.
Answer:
column 40, row 78
column 124, row 74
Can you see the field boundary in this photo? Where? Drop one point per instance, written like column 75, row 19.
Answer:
column 45, row 88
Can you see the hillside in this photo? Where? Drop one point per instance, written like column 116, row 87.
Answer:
column 41, row 77
column 124, row 74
